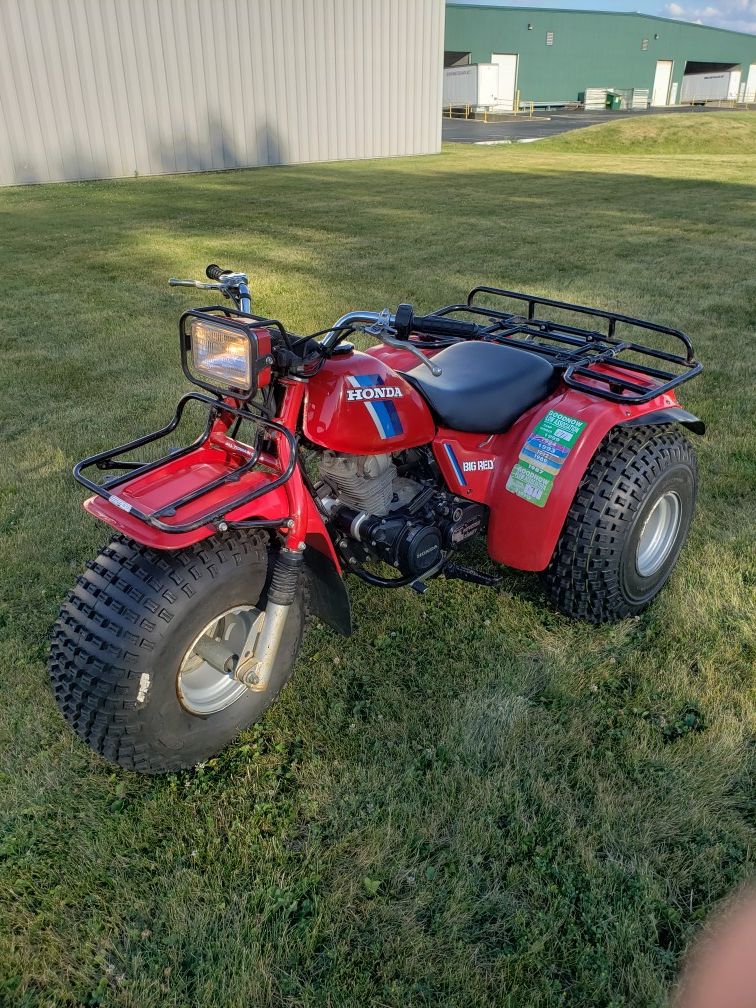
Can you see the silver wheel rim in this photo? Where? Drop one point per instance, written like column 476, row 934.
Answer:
column 203, row 689
column 658, row 535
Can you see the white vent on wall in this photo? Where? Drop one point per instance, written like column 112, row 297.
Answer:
column 644, row 44
column 549, row 38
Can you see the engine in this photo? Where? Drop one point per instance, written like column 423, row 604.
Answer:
column 364, row 482
column 395, row 510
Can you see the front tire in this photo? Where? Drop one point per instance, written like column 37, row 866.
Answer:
column 122, row 640
column 627, row 524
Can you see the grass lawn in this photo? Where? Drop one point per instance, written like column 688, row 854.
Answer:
column 473, row 801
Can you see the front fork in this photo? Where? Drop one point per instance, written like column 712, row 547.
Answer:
column 255, row 667
column 256, row 670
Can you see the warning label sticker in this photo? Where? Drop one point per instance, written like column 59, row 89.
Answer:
column 543, row 455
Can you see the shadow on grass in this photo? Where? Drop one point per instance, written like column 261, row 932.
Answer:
column 563, row 214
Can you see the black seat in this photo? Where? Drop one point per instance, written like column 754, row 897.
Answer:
column 484, row 387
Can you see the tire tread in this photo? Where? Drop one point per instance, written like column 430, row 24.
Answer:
column 108, row 622
column 582, row 579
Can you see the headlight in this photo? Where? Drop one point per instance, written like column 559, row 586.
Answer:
column 224, row 354
column 221, row 353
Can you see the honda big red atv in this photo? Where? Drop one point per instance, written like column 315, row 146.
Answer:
column 557, row 441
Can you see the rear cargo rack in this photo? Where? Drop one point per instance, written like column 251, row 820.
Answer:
column 593, row 361
column 203, row 455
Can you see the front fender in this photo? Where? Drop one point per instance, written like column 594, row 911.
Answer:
column 274, row 504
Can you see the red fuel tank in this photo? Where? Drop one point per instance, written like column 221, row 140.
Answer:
column 358, row 405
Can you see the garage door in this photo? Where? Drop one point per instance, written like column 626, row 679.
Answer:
column 507, row 63
column 733, row 88
column 662, row 81
column 750, row 88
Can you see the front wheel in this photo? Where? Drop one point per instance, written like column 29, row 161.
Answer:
column 627, row 524
column 134, row 662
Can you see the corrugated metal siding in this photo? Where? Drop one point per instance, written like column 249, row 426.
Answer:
column 109, row 88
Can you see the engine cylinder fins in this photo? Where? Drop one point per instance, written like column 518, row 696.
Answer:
column 363, row 482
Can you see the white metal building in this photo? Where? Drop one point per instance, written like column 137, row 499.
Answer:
column 110, row 88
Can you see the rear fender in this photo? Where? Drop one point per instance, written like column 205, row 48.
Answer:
column 522, row 533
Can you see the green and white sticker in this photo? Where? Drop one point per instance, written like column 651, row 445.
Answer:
column 542, row 456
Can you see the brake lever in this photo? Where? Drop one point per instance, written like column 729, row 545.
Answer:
column 386, row 333
column 399, row 344
column 173, row 282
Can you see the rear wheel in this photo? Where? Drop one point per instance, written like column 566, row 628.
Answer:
column 134, row 658
column 626, row 526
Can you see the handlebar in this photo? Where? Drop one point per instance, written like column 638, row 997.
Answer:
column 173, row 282
column 384, row 326
column 230, row 284
column 404, row 323
column 394, row 330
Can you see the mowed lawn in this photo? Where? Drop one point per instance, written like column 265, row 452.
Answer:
column 472, row 801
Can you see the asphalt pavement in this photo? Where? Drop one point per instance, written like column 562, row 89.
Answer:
column 545, row 125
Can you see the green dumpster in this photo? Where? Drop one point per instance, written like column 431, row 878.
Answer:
column 613, row 102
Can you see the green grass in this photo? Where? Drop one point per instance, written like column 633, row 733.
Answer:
column 696, row 133
column 473, row 801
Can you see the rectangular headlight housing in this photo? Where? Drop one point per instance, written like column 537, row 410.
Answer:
column 224, row 354
column 220, row 354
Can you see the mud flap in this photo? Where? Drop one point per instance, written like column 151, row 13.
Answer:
column 327, row 593
column 674, row 414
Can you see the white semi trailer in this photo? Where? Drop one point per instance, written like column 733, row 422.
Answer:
column 476, row 85
column 716, row 85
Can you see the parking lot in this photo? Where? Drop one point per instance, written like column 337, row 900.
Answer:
column 544, row 125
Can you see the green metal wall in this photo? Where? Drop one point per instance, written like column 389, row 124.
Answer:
column 591, row 49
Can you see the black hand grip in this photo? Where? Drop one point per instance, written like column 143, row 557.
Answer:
column 439, row 325
column 214, row 272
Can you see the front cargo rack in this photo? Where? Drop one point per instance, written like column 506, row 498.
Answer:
column 592, row 361
column 204, row 468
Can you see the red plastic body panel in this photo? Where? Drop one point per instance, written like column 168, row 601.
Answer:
column 469, row 461
column 358, row 405
column 520, row 533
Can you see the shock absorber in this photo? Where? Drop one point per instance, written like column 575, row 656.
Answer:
column 255, row 671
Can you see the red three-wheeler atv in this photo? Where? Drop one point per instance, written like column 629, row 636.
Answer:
column 543, row 426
